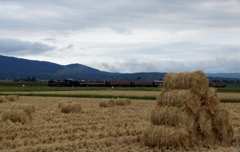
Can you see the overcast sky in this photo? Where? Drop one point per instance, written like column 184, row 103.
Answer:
column 125, row 35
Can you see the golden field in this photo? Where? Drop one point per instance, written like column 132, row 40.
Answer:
column 95, row 128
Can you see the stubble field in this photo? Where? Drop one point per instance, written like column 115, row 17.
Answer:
column 118, row 128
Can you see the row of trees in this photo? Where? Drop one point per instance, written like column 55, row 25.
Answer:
column 28, row 79
column 227, row 81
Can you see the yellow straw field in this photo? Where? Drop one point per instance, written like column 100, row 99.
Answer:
column 93, row 128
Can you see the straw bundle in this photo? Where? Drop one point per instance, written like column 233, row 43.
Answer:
column 123, row 102
column 222, row 126
column 212, row 100
column 179, row 98
column 186, row 119
column 165, row 136
column 70, row 107
column 3, row 99
column 76, row 108
column 16, row 116
column 107, row 103
column 29, row 110
column 13, row 98
column 165, row 116
column 190, row 110
column 61, row 103
column 204, row 120
column 194, row 81
column 173, row 116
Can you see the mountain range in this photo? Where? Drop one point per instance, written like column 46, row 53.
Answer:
column 17, row 68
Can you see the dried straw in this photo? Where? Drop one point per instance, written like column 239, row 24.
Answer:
column 186, row 119
column 123, row 102
column 180, row 98
column 107, row 103
column 13, row 98
column 71, row 107
column 173, row 116
column 76, row 108
column 212, row 100
column 16, row 116
column 195, row 81
column 62, row 102
column 222, row 126
column 204, row 120
column 165, row 116
column 166, row 136
column 3, row 99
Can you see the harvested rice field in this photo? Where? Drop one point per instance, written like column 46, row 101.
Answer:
column 93, row 128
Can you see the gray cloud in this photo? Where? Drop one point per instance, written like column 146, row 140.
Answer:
column 70, row 46
column 17, row 47
column 49, row 39
column 123, row 15
column 213, row 65
column 125, row 36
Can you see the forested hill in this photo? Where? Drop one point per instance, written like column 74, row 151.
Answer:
column 17, row 68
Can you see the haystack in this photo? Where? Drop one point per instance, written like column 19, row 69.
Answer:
column 107, row 103
column 71, row 107
column 62, row 102
column 3, row 99
column 16, row 115
column 123, row 102
column 190, row 110
column 13, row 97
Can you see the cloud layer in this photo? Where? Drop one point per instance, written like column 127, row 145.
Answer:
column 18, row 47
column 125, row 36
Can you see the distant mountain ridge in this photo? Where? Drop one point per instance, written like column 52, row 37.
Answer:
column 17, row 68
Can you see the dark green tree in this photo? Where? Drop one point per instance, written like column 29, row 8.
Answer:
column 33, row 79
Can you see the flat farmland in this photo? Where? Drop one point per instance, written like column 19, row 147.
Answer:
column 221, row 95
column 119, row 128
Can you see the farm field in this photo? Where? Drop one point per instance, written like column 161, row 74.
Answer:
column 221, row 95
column 118, row 128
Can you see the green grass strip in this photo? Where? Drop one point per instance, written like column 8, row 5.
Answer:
column 83, row 96
column 103, row 96
column 230, row 100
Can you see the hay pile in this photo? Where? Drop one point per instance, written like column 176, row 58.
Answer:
column 123, row 102
column 188, row 114
column 107, row 103
column 9, row 98
column 71, row 107
column 3, row 99
column 21, row 114
column 13, row 97
column 118, row 102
